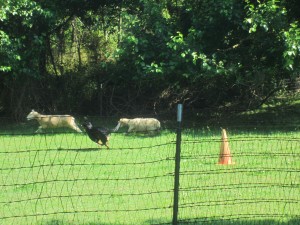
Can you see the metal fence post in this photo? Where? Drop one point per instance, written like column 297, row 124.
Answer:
column 177, row 165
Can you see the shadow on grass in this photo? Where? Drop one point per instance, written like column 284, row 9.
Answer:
column 142, row 134
column 277, row 117
column 254, row 221
column 81, row 150
column 280, row 117
column 198, row 221
column 284, row 115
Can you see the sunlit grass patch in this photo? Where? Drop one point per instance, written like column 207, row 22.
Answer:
column 64, row 178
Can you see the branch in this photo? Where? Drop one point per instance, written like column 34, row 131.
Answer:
column 54, row 30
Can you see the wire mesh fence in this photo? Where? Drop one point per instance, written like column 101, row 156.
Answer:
column 64, row 178
column 261, row 187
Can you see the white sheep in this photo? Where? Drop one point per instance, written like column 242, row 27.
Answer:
column 140, row 124
column 53, row 121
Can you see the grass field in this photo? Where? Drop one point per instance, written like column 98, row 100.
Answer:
column 64, row 178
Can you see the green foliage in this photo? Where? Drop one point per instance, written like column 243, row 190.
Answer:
column 23, row 35
column 6, row 56
column 268, row 15
column 228, row 52
column 292, row 44
column 272, row 15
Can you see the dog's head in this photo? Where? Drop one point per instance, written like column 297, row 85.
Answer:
column 87, row 124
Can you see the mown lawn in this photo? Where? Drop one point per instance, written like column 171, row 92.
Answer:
column 65, row 179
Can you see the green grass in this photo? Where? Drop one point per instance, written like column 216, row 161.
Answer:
column 263, row 183
column 65, row 179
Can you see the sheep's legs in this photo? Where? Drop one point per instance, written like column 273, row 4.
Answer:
column 130, row 129
column 75, row 127
column 39, row 129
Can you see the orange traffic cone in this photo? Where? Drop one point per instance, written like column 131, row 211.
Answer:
column 225, row 156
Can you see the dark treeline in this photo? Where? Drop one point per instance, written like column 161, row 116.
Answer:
column 134, row 56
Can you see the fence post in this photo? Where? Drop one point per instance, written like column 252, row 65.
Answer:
column 177, row 165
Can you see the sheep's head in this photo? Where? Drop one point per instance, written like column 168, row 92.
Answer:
column 123, row 122
column 33, row 115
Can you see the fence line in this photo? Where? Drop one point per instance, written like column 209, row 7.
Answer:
column 63, row 178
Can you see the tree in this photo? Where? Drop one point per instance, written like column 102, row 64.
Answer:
column 27, row 28
column 128, row 55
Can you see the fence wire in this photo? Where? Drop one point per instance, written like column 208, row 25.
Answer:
column 261, row 187
column 65, row 178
